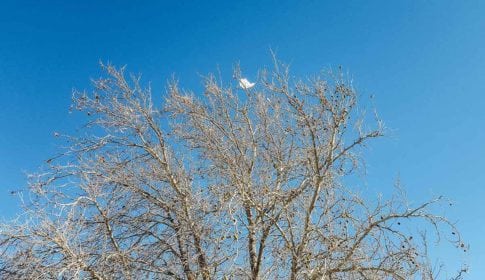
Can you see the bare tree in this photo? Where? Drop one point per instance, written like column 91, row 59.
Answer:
column 234, row 183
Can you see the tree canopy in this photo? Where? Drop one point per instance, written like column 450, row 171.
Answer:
column 235, row 182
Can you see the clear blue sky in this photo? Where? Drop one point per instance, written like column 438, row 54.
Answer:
column 423, row 60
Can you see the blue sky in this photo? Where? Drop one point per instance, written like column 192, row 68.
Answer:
column 423, row 60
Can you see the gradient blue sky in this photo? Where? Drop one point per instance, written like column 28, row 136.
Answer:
column 423, row 60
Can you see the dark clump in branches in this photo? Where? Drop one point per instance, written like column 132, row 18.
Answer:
column 234, row 183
